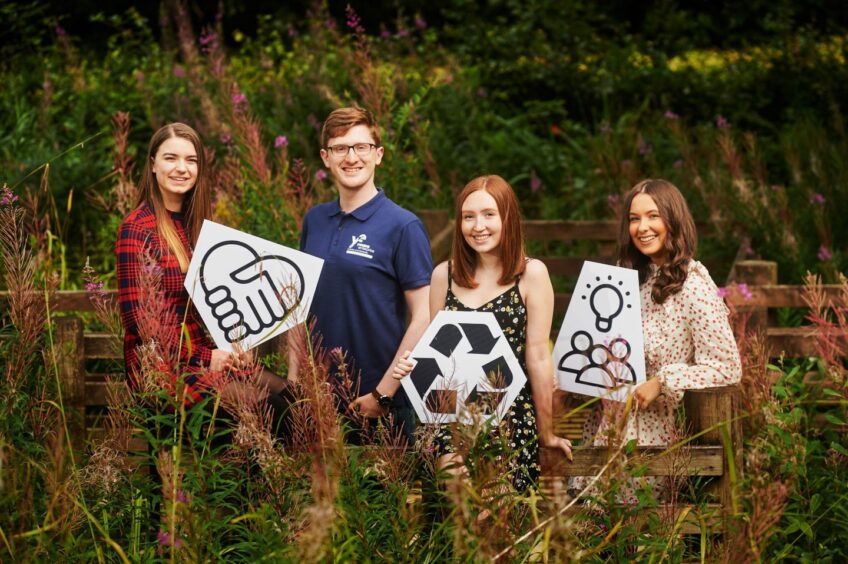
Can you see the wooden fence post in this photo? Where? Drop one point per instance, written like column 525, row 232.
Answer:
column 756, row 273
column 714, row 410
column 70, row 349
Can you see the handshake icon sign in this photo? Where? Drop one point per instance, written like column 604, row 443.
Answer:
column 248, row 289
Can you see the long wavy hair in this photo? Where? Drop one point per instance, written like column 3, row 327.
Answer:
column 197, row 204
column 511, row 246
column 680, row 244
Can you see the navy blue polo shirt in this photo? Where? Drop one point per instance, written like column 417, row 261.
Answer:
column 371, row 256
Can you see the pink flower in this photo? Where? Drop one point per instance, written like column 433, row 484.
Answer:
column 7, row 197
column 670, row 115
column 330, row 23
column 644, row 148
column 385, row 34
column 420, row 23
column 226, row 138
column 817, row 199
column 824, row 254
column 722, row 123
column 182, row 497
column 746, row 293
column 60, row 31
column 722, row 292
column 613, row 200
column 281, row 141
column 482, row 92
column 678, row 163
column 320, row 175
column 403, row 32
column 178, row 71
column 535, row 182
column 626, row 164
column 292, row 31
column 164, row 539
column 239, row 99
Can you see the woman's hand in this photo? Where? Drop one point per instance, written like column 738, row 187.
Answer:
column 403, row 367
column 221, row 361
column 647, row 392
column 552, row 441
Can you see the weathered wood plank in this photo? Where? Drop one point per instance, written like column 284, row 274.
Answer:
column 703, row 461
column 558, row 230
column 792, row 341
column 103, row 346
column 772, row 295
column 66, row 301
column 691, row 525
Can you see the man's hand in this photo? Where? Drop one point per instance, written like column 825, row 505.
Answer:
column 367, row 406
column 403, row 367
column 647, row 392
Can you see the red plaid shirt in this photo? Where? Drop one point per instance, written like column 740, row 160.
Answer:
column 138, row 237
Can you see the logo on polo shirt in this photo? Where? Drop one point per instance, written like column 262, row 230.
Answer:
column 359, row 247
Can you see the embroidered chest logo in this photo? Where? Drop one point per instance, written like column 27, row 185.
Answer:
column 359, row 247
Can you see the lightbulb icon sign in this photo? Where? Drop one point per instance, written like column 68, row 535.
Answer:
column 606, row 301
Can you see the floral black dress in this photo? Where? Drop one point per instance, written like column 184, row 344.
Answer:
column 519, row 426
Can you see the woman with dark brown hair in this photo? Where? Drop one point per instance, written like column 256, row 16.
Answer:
column 688, row 341
column 163, row 333
column 490, row 272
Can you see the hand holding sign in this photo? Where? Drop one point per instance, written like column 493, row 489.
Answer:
column 268, row 299
column 248, row 289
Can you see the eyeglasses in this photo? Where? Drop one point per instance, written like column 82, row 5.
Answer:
column 361, row 149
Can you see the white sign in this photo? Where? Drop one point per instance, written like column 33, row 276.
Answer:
column 463, row 366
column 247, row 289
column 600, row 350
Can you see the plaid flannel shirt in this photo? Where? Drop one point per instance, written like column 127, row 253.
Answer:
column 138, row 237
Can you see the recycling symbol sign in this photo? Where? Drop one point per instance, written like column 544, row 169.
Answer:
column 464, row 368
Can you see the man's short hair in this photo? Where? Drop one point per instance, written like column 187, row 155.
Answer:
column 341, row 120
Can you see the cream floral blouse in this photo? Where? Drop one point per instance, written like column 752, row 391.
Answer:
column 688, row 345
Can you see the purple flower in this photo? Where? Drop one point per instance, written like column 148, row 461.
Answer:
column 482, row 92
column 420, row 23
column 178, row 71
column 164, row 539
column 330, row 23
column 226, row 138
column 320, row 174
column 281, row 141
column 7, row 197
column 239, row 100
column 60, row 31
column 748, row 250
column 535, row 182
column 746, row 293
column 678, row 163
column 403, row 32
column 182, row 497
column 817, row 199
column 626, row 164
column 314, row 122
column 208, row 38
column 722, row 292
column 613, row 200
column 644, row 148
column 94, row 286
column 824, row 254
column 353, row 20
column 385, row 34
column 670, row 115
column 722, row 123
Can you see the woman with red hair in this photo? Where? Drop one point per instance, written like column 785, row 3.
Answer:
column 490, row 272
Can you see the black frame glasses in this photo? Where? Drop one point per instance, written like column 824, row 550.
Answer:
column 361, row 149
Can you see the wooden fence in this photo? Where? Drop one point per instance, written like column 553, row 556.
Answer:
column 711, row 410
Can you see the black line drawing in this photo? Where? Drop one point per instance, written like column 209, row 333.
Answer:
column 268, row 306
column 608, row 364
column 606, row 301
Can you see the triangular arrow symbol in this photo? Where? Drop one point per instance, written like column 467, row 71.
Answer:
column 424, row 374
column 481, row 339
column 446, row 340
column 498, row 373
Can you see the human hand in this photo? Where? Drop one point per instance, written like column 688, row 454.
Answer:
column 277, row 285
column 560, row 443
column 367, row 406
column 403, row 367
column 221, row 360
column 646, row 392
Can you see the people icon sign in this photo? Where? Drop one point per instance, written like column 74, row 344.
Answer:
column 248, row 289
column 464, row 368
column 600, row 350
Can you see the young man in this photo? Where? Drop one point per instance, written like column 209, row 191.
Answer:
column 377, row 268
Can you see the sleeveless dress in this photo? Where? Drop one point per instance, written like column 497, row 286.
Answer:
column 519, row 425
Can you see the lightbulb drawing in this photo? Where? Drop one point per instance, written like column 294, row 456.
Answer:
column 606, row 302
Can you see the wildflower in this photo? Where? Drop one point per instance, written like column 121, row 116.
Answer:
column 482, row 92
column 613, row 200
column 353, row 20
column 60, row 31
column 314, row 122
column 292, row 31
column 678, row 164
column 817, row 199
column 626, row 164
column 164, row 539
column 281, row 141
column 179, row 71
column 207, row 39
column 644, row 148
column 403, row 32
column 535, row 182
column 722, row 292
column 722, row 123
column 824, row 254
column 7, row 197
column 182, row 497
column 746, row 293
column 420, row 23
column 385, row 34
column 94, row 286
column 748, row 250
column 670, row 115
column 239, row 100
column 320, row 175
column 605, row 128
column 330, row 23
column 226, row 138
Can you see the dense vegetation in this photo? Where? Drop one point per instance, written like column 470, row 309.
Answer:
column 741, row 104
